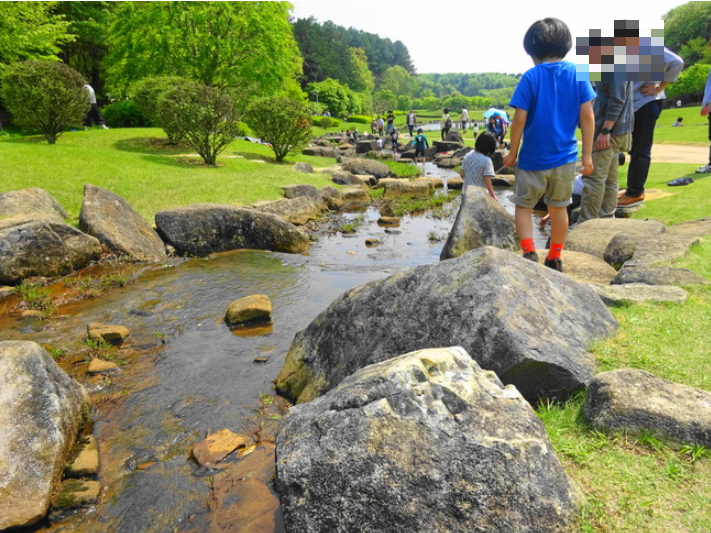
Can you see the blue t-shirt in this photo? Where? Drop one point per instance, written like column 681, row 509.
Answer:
column 552, row 97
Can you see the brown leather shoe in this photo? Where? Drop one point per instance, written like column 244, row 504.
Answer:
column 630, row 201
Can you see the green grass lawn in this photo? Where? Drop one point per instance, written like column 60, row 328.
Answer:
column 631, row 484
column 149, row 175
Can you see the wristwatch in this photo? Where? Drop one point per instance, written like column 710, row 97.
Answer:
column 605, row 131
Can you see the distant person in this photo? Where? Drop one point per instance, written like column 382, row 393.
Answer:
column 445, row 124
column 705, row 108
column 496, row 126
column 477, row 167
column 379, row 144
column 394, row 134
column 421, row 144
column 678, row 103
column 465, row 118
column 678, row 122
column 93, row 115
column 549, row 103
column 648, row 98
column 374, row 126
column 476, row 130
column 381, row 125
column 613, row 133
column 411, row 121
column 390, row 123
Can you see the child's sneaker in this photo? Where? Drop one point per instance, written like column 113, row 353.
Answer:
column 532, row 256
column 555, row 264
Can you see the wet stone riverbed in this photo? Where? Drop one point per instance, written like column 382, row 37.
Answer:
column 185, row 374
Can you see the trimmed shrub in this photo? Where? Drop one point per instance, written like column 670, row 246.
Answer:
column 48, row 96
column 204, row 117
column 148, row 92
column 325, row 122
column 360, row 119
column 282, row 122
column 124, row 115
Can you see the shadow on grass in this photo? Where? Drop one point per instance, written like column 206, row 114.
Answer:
column 151, row 145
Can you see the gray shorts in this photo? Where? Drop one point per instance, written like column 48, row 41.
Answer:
column 555, row 185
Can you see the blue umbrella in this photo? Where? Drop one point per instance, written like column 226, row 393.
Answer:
column 494, row 112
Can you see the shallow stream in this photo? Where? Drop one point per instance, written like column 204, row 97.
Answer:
column 186, row 374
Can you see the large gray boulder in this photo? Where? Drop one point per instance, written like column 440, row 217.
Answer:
column 425, row 442
column 42, row 247
column 109, row 218
column 202, row 229
column 291, row 192
column 594, row 236
column 481, row 221
column 636, row 401
column 367, row 166
column 529, row 324
column 41, row 409
column 447, row 146
column 33, row 202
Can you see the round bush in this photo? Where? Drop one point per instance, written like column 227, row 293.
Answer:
column 47, row 96
column 124, row 115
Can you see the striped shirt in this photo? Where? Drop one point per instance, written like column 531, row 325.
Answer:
column 475, row 167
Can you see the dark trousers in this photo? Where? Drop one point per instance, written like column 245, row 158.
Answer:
column 645, row 120
column 94, row 116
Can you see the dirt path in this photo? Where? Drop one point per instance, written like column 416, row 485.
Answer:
column 679, row 153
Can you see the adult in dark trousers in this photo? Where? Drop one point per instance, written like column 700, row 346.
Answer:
column 411, row 121
column 391, row 123
column 705, row 108
column 613, row 131
column 647, row 104
column 445, row 124
column 465, row 118
column 93, row 115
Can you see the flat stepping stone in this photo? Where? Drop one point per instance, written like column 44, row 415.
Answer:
column 639, row 292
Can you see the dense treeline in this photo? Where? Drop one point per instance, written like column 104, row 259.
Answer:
column 254, row 49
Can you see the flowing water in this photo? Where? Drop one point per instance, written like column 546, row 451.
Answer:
column 186, row 374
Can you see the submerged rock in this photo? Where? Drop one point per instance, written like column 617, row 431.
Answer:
column 481, row 221
column 636, row 401
column 113, row 334
column 42, row 247
column 41, row 409
column 423, row 442
column 108, row 217
column 202, row 229
column 250, row 309
column 529, row 324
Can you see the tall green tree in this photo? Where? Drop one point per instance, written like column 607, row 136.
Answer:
column 30, row 30
column 687, row 22
column 333, row 94
column 89, row 23
column 398, row 80
column 247, row 47
column 282, row 122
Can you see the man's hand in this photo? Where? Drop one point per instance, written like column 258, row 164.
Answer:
column 705, row 110
column 510, row 159
column 602, row 141
column 587, row 165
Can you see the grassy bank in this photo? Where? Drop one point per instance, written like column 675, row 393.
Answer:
column 631, row 483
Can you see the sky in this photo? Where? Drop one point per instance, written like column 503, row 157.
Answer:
column 445, row 36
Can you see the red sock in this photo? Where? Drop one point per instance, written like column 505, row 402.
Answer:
column 555, row 251
column 528, row 246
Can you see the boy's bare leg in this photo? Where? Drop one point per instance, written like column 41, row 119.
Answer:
column 524, row 225
column 559, row 224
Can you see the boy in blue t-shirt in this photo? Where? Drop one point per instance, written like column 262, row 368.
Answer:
column 550, row 103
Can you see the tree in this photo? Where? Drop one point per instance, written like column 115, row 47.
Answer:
column 29, row 30
column 384, row 101
column 686, row 22
column 147, row 95
column 89, row 23
column 282, row 122
column 398, row 80
column 696, row 51
column 333, row 94
column 45, row 95
column 247, row 47
column 205, row 117
column 692, row 80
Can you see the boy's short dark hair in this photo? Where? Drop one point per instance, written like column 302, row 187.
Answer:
column 546, row 38
column 446, row 110
column 419, row 130
column 486, row 144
